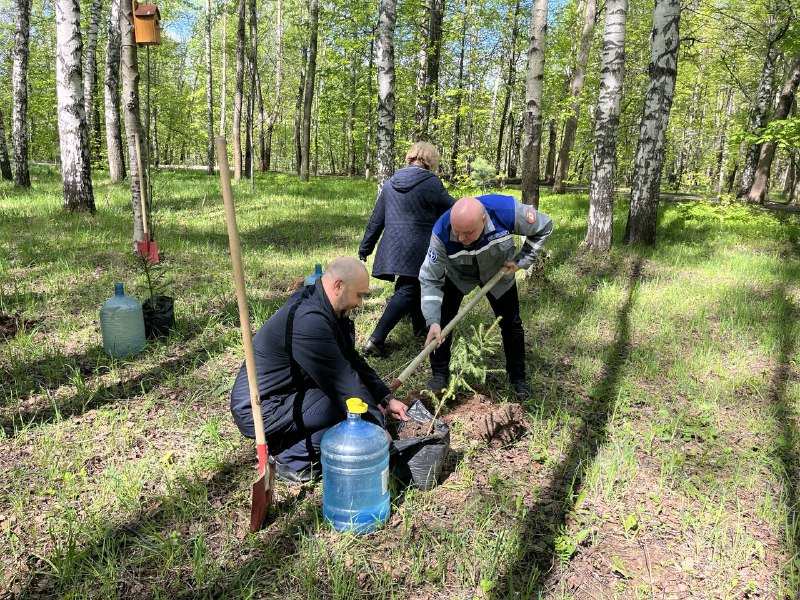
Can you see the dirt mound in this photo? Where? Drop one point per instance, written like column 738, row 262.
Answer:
column 11, row 324
column 414, row 429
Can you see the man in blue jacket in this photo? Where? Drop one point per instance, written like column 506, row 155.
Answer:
column 469, row 244
column 307, row 368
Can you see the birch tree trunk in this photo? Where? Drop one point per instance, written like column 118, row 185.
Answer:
column 238, row 94
column 19, row 85
column 370, row 123
column 533, row 105
column 460, row 93
column 612, row 74
column 5, row 163
column 90, row 80
column 575, row 88
column 351, row 119
column 664, row 43
column 298, row 113
column 262, row 120
column 116, row 158
column 73, row 134
column 428, row 68
column 387, row 18
column 223, row 94
column 552, row 150
column 758, row 191
column 308, row 93
column 509, row 86
column 252, row 52
column 724, row 151
column 129, row 71
column 209, row 94
column 273, row 117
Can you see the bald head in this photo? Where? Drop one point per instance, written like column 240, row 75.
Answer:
column 346, row 283
column 468, row 218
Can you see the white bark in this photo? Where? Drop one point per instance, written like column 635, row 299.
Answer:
column 532, row 116
column 116, row 159
column 612, row 74
column 387, row 19
column 209, row 93
column 90, row 79
column 223, row 95
column 72, row 131
column 664, row 43
column 19, row 84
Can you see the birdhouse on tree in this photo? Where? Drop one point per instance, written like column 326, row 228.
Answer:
column 146, row 24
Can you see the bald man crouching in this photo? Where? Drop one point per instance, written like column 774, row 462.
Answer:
column 469, row 244
column 307, row 367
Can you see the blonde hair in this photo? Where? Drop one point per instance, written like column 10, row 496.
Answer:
column 424, row 153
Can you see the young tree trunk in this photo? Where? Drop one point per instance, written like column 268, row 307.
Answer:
column 533, row 105
column 664, row 42
column 5, row 163
column 273, row 117
column 72, row 131
column 460, row 93
column 509, row 86
column 223, row 94
column 758, row 118
column 252, row 54
column 90, row 80
column 369, row 134
column 758, row 191
column 116, row 158
column 19, row 84
column 552, row 149
column 722, row 157
column 238, row 93
column 298, row 113
column 209, row 94
column 351, row 118
column 575, row 88
column 788, row 184
column 308, row 93
column 612, row 73
column 387, row 18
column 262, row 121
column 428, row 68
column 129, row 71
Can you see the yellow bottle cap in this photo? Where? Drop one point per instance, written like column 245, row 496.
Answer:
column 356, row 406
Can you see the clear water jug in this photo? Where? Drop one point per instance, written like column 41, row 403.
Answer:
column 312, row 278
column 122, row 324
column 355, row 473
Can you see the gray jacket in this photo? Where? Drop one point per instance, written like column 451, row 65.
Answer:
column 470, row 266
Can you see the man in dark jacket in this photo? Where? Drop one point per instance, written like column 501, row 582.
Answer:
column 407, row 207
column 308, row 367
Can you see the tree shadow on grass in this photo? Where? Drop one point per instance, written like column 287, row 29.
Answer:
column 191, row 513
column 525, row 577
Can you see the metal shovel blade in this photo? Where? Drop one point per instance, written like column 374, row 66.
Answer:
column 148, row 249
column 261, row 500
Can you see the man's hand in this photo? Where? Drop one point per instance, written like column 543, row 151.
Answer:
column 510, row 267
column 395, row 409
column 434, row 333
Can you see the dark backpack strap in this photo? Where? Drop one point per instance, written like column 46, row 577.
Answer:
column 297, row 377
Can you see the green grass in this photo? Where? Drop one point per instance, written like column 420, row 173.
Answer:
column 662, row 455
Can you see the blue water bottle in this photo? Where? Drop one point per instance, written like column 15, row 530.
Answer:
column 312, row 278
column 355, row 473
column 122, row 324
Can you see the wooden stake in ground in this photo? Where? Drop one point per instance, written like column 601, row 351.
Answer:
column 262, row 489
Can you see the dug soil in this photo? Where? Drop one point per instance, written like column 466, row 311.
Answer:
column 11, row 324
column 414, row 429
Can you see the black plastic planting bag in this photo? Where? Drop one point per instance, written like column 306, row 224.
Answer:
column 419, row 460
column 159, row 316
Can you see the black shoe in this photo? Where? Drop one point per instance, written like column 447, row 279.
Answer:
column 375, row 348
column 421, row 333
column 438, row 382
column 521, row 389
column 289, row 475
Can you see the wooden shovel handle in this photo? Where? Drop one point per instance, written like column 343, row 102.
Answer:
column 142, row 186
column 238, row 281
column 447, row 329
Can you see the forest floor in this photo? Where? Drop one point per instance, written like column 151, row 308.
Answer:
column 660, row 460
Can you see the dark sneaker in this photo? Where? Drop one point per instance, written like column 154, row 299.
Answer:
column 287, row 474
column 521, row 389
column 438, row 382
column 375, row 348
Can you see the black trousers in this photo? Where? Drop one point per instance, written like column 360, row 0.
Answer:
column 507, row 307
column 405, row 301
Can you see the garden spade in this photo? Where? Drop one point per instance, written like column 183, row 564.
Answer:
column 401, row 379
column 262, row 489
column 147, row 248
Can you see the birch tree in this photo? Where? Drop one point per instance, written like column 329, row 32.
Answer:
column 238, row 93
column 223, row 94
column 612, row 73
column 308, row 92
column 72, row 131
column 575, row 89
column 663, row 69
column 5, row 163
column 509, row 84
column 116, row 159
column 276, row 107
column 429, row 59
column 90, row 79
column 209, row 93
column 19, row 85
column 387, row 19
column 460, row 90
column 758, row 191
column 533, row 105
